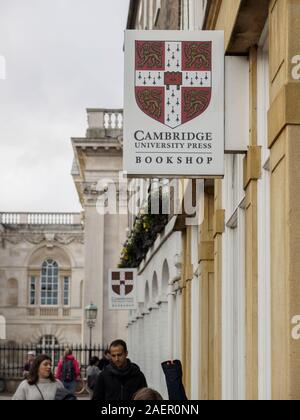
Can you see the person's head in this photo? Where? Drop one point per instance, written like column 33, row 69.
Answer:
column 41, row 369
column 31, row 356
column 118, row 353
column 68, row 352
column 94, row 361
column 147, row 394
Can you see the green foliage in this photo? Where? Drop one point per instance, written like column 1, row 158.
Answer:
column 143, row 235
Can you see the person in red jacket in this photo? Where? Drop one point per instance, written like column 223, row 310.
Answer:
column 68, row 371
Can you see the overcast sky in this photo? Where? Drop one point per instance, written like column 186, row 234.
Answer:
column 62, row 56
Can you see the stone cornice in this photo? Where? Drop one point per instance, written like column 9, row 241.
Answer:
column 99, row 145
column 50, row 239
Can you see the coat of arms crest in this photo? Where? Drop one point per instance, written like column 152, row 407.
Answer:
column 173, row 80
column 122, row 282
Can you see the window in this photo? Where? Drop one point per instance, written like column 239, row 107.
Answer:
column 48, row 341
column 66, row 296
column 32, row 291
column 49, row 283
column 48, row 344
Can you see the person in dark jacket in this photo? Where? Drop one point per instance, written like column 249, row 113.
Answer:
column 105, row 360
column 121, row 379
column 173, row 372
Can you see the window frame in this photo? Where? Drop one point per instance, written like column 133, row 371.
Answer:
column 46, row 304
column 31, row 278
column 68, row 305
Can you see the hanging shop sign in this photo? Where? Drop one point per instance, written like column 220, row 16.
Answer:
column 122, row 289
column 174, row 104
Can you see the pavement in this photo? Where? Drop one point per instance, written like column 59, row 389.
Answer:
column 7, row 397
column 4, row 397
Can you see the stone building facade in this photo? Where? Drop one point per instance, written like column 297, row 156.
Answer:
column 54, row 265
column 98, row 162
column 237, row 295
column 41, row 277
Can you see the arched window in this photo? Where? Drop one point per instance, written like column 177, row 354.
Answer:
column 48, row 344
column 48, row 341
column 49, row 283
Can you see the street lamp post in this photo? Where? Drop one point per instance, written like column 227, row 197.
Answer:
column 91, row 316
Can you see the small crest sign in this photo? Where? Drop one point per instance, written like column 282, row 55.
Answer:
column 122, row 284
column 174, row 103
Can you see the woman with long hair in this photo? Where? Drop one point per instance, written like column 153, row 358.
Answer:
column 40, row 384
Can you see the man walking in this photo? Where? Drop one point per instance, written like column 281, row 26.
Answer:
column 121, row 379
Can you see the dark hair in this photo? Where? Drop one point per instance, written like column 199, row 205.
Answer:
column 118, row 343
column 33, row 377
column 147, row 394
column 94, row 361
column 106, row 351
column 68, row 351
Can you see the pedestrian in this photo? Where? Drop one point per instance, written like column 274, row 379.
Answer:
column 92, row 373
column 147, row 394
column 68, row 371
column 28, row 364
column 105, row 361
column 121, row 379
column 40, row 384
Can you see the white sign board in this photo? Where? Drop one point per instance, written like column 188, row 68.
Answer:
column 174, row 104
column 122, row 289
column 237, row 124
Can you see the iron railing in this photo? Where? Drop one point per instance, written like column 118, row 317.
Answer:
column 13, row 357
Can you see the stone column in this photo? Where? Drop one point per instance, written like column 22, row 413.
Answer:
column 156, row 357
column 93, row 284
column 163, row 341
column 147, row 344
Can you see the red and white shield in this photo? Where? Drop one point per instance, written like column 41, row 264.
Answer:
column 122, row 282
column 173, row 80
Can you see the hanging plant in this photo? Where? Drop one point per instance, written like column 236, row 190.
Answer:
column 143, row 235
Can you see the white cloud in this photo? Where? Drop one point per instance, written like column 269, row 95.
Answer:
column 62, row 56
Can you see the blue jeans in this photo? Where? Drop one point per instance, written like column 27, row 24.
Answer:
column 70, row 386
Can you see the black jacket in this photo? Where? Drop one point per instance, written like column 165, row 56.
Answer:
column 103, row 363
column 173, row 373
column 62, row 394
column 116, row 384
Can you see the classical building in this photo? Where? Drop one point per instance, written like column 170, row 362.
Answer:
column 41, row 277
column 227, row 291
column 54, row 265
column 97, row 165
